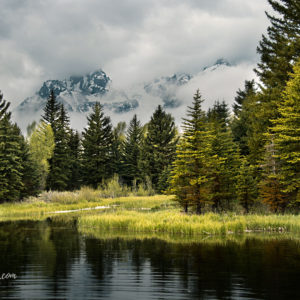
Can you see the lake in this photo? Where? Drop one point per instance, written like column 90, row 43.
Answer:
column 52, row 260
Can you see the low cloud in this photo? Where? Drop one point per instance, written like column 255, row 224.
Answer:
column 131, row 40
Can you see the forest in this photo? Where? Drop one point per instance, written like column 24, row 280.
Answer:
column 244, row 158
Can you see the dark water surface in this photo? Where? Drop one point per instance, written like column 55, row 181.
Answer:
column 52, row 261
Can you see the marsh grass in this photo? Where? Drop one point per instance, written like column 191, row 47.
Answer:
column 186, row 239
column 48, row 202
column 142, row 214
column 174, row 222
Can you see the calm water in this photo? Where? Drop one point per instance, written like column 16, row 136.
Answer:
column 56, row 262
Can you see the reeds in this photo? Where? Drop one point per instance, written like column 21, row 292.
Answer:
column 174, row 222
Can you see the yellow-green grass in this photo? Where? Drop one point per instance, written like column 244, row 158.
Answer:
column 174, row 222
column 44, row 206
column 187, row 239
column 144, row 214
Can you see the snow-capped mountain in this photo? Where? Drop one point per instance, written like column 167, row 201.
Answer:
column 80, row 93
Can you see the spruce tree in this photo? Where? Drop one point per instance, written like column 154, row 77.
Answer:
column 246, row 186
column 191, row 173
column 74, row 144
column 4, row 105
column 30, row 174
column 286, row 133
column 278, row 50
column 118, row 137
column 270, row 187
column 241, row 124
column 159, row 147
column 132, row 152
column 51, row 111
column 97, row 141
column 59, row 171
column 11, row 167
column 226, row 163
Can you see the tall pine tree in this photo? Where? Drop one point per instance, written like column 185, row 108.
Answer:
column 159, row 147
column 132, row 152
column 59, row 172
column 286, row 132
column 11, row 166
column 190, row 177
column 226, row 163
column 97, row 142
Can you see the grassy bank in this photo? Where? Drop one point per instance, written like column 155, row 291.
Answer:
column 175, row 222
column 49, row 204
column 141, row 214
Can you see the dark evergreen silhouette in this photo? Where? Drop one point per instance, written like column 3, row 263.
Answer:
column 97, row 143
column 132, row 152
column 159, row 146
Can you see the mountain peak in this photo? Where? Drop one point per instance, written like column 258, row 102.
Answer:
column 219, row 62
column 89, row 84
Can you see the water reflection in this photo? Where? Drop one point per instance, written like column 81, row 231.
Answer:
column 54, row 261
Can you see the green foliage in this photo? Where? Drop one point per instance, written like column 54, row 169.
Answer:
column 59, row 171
column 132, row 153
column 41, row 146
column 10, row 161
column 118, row 137
column 4, row 105
column 286, row 133
column 191, row 179
column 281, row 46
column 74, row 145
column 30, row 173
column 226, row 159
column 278, row 50
column 241, row 124
column 246, row 186
column 51, row 111
column 97, row 142
column 159, row 146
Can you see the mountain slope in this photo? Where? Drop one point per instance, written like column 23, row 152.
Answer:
column 79, row 93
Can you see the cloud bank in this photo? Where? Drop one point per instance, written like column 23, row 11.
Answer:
column 131, row 40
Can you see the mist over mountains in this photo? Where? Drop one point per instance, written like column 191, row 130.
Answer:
column 79, row 94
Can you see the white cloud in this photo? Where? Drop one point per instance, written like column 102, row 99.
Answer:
column 131, row 40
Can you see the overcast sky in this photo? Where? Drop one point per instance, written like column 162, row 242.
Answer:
column 131, row 40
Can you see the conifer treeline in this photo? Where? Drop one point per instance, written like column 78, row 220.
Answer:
column 219, row 162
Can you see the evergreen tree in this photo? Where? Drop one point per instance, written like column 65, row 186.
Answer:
column 241, row 124
column 4, row 105
column 246, row 186
column 132, row 152
column 97, row 141
column 10, row 157
column 190, row 177
column 30, row 174
column 118, row 137
column 74, row 146
column 286, row 132
column 51, row 111
column 219, row 115
column 226, row 163
column 59, row 171
column 270, row 187
column 280, row 48
column 41, row 147
column 159, row 146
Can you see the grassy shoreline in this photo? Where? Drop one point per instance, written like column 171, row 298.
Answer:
column 142, row 214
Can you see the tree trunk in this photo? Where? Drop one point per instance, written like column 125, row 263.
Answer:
column 198, row 209
column 186, row 208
